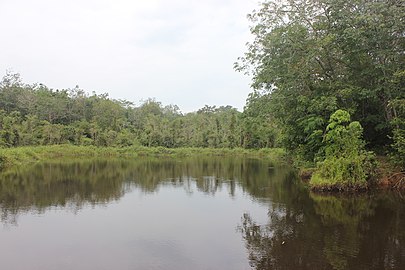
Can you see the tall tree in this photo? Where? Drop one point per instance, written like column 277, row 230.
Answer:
column 316, row 56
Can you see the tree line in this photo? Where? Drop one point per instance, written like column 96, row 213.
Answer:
column 311, row 58
column 34, row 114
column 322, row 70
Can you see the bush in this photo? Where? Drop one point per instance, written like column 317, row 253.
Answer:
column 344, row 173
column 347, row 165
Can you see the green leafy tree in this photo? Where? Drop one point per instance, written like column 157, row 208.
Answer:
column 314, row 57
column 398, row 122
column 346, row 164
column 259, row 127
column 38, row 115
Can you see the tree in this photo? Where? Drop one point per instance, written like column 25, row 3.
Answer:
column 259, row 127
column 316, row 56
column 398, row 122
column 35, row 114
column 346, row 164
column 11, row 87
column 10, row 125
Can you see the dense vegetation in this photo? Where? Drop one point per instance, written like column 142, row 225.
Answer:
column 311, row 58
column 346, row 163
column 33, row 114
column 316, row 65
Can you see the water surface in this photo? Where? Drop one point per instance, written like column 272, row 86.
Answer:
column 196, row 213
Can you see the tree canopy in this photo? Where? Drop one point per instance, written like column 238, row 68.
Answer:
column 33, row 114
column 314, row 57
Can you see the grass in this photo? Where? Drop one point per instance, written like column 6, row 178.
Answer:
column 22, row 155
column 340, row 173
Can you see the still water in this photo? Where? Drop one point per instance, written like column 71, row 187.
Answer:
column 197, row 213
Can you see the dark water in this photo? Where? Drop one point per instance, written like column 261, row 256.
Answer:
column 214, row 213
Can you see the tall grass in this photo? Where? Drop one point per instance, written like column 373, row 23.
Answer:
column 23, row 155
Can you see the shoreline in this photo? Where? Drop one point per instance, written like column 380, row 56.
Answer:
column 17, row 156
column 387, row 178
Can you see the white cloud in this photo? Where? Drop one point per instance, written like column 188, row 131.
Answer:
column 178, row 51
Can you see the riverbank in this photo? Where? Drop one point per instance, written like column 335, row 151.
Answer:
column 385, row 176
column 23, row 155
column 389, row 176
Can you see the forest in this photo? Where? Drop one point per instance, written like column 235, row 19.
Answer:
column 328, row 80
column 331, row 74
column 33, row 114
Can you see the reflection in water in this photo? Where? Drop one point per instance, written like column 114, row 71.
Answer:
column 329, row 232
column 73, row 184
column 303, row 230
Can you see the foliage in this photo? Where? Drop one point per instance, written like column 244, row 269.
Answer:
column 37, row 115
column 314, row 57
column 398, row 145
column 346, row 164
column 259, row 128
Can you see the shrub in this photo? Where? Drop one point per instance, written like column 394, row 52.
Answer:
column 347, row 165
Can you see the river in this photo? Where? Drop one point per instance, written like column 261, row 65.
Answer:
column 191, row 213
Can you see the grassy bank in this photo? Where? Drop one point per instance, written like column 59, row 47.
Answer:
column 24, row 155
column 383, row 174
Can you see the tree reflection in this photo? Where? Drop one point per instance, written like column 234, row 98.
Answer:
column 304, row 230
column 335, row 232
column 76, row 183
column 290, row 239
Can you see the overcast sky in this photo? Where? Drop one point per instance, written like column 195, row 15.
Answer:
column 179, row 51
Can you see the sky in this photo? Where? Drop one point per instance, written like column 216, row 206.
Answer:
column 179, row 51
